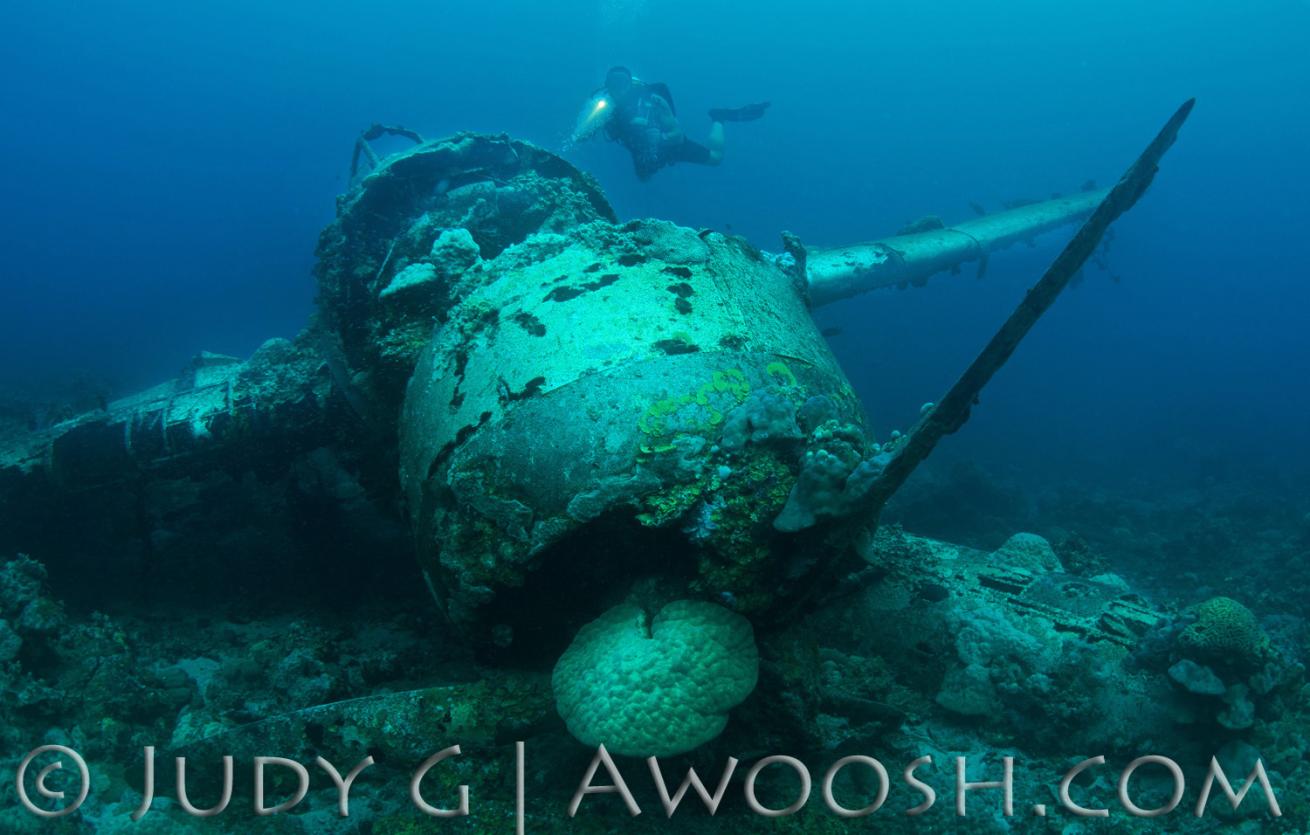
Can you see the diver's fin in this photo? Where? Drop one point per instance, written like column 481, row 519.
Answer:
column 749, row 113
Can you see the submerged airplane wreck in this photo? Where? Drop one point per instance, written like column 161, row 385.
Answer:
column 587, row 415
column 550, row 382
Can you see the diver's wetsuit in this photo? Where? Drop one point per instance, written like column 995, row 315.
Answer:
column 639, row 124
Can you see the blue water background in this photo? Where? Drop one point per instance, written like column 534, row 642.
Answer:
column 168, row 166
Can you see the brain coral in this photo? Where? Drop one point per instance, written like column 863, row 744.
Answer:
column 1223, row 629
column 656, row 688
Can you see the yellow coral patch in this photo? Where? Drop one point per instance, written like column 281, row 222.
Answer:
column 695, row 412
column 781, row 373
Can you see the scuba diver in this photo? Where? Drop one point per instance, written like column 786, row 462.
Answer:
column 641, row 117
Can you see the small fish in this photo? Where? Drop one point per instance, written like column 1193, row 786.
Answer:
column 1116, row 278
column 1090, row 185
column 977, row 208
column 830, row 332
